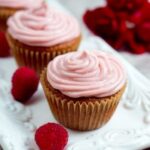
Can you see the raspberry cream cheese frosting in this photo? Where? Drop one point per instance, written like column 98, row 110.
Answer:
column 44, row 26
column 20, row 3
column 86, row 74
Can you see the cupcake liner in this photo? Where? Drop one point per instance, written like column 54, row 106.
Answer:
column 5, row 13
column 38, row 57
column 80, row 114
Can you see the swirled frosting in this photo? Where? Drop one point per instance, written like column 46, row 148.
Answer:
column 86, row 74
column 44, row 26
column 20, row 3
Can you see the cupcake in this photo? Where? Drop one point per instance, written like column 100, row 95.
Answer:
column 37, row 36
column 84, row 88
column 9, row 7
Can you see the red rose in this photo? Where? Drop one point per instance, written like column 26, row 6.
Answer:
column 102, row 22
column 116, row 4
column 143, row 31
column 142, row 23
column 4, row 48
column 122, row 23
column 132, row 44
column 141, row 14
column 126, row 5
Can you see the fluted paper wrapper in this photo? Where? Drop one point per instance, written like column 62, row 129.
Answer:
column 80, row 114
column 38, row 57
column 5, row 13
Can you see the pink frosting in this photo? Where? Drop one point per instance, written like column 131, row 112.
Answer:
column 86, row 74
column 20, row 3
column 44, row 26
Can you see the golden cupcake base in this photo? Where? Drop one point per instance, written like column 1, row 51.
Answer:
column 38, row 57
column 82, row 114
column 5, row 13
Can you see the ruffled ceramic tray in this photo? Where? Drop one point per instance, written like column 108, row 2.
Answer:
column 128, row 129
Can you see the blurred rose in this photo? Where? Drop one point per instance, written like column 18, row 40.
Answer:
column 141, row 14
column 128, row 28
column 4, row 48
column 142, row 23
column 102, row 22
column 126, row 5
column 116, row 4
column 143, row 31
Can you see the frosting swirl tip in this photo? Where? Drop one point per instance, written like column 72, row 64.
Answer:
column 86, row 73
column 43, row 26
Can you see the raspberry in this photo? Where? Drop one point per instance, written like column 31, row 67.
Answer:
column 24, row 84
column 4, row 48
column 51, row 136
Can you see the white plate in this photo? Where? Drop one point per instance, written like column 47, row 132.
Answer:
column 128, row 129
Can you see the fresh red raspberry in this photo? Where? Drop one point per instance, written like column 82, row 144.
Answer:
column 4, row 48
column 24, row 84
column 51, row 136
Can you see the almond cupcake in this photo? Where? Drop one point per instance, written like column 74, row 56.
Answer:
column 84, row 88
column 9, row 7
column 37, row 36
